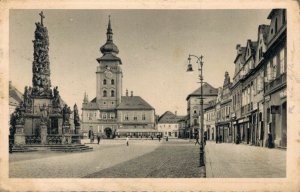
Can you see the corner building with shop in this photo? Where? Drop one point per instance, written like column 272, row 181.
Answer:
column 111, row 114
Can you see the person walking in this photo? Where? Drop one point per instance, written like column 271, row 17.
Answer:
column 98, row 138
column 127, row 141
column 197, row 140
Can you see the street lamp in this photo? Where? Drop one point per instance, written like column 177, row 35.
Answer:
column 201, row 128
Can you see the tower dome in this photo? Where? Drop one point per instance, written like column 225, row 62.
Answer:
column 109, row 46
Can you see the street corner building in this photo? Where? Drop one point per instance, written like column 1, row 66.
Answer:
column 169, row 125
column 194, row 108
column 110, row 114
column 40, row 116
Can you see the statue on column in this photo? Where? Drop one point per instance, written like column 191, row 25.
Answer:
column 76, row 116
column 66, row 112
column 56, row 100
column 45, row 114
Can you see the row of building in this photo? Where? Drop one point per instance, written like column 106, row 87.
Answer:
column 252, row 108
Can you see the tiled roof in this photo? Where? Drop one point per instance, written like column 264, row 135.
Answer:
column 134, row 102
column 169, row 117
column 109, row 57
column 90, row 105
column 208, row 90
column 15, row 96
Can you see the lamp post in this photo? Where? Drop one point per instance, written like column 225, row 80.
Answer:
column 201, row 128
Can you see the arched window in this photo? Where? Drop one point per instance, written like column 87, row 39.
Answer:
column 104, row 82
column 104, row 93
column 112, row 93
column 195, row 111
column 195, row 122
column 112, row 81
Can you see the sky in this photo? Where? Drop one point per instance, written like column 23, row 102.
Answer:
column 154, row 46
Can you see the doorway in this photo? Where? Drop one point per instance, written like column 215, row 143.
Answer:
column 108, row 132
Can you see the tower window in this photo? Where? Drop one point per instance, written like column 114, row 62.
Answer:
column 104, row 82
column 112, row 93
column 104, row 93
column 112, row 81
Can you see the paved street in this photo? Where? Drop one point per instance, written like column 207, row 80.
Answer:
column 153, row 159
column 235, row 161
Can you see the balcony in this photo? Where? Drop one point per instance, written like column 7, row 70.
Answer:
column 275, row 84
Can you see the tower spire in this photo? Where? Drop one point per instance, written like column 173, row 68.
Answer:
column 109, row 32
column 109, row 47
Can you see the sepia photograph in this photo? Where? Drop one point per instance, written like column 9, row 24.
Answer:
column 116, row 93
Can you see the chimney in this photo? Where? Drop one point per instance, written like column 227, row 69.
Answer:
column 126, row 92
column 131, row 92
column 176, row 113
column 10, row 84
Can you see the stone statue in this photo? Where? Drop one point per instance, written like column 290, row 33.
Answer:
column 76, row 116
column 45, row 113
column 226, row 79
column 27, row 98
column 66, row 115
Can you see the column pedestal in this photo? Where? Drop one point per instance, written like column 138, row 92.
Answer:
column 19, row 135
column 65, row 129
column 43, row 134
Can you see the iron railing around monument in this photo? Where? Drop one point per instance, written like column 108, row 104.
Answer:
column 32, row 139
column 54, row 139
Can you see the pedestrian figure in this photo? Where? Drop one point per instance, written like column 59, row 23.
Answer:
column 205, row 138
column 167, row 138
column 92, row 138
column 159, row 138
column 127, row 140
column 98, row 138
column 197, row 140
column 151, row 137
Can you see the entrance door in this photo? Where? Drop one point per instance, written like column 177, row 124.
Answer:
column 108, row 132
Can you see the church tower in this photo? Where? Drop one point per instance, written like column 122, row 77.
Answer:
column 109, row 74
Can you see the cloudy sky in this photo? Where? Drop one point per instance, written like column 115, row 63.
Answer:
column 154, row 46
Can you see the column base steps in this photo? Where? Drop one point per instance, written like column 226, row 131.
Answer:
column 52, row 147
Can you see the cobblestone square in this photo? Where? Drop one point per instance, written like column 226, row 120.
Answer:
column 151, row 159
